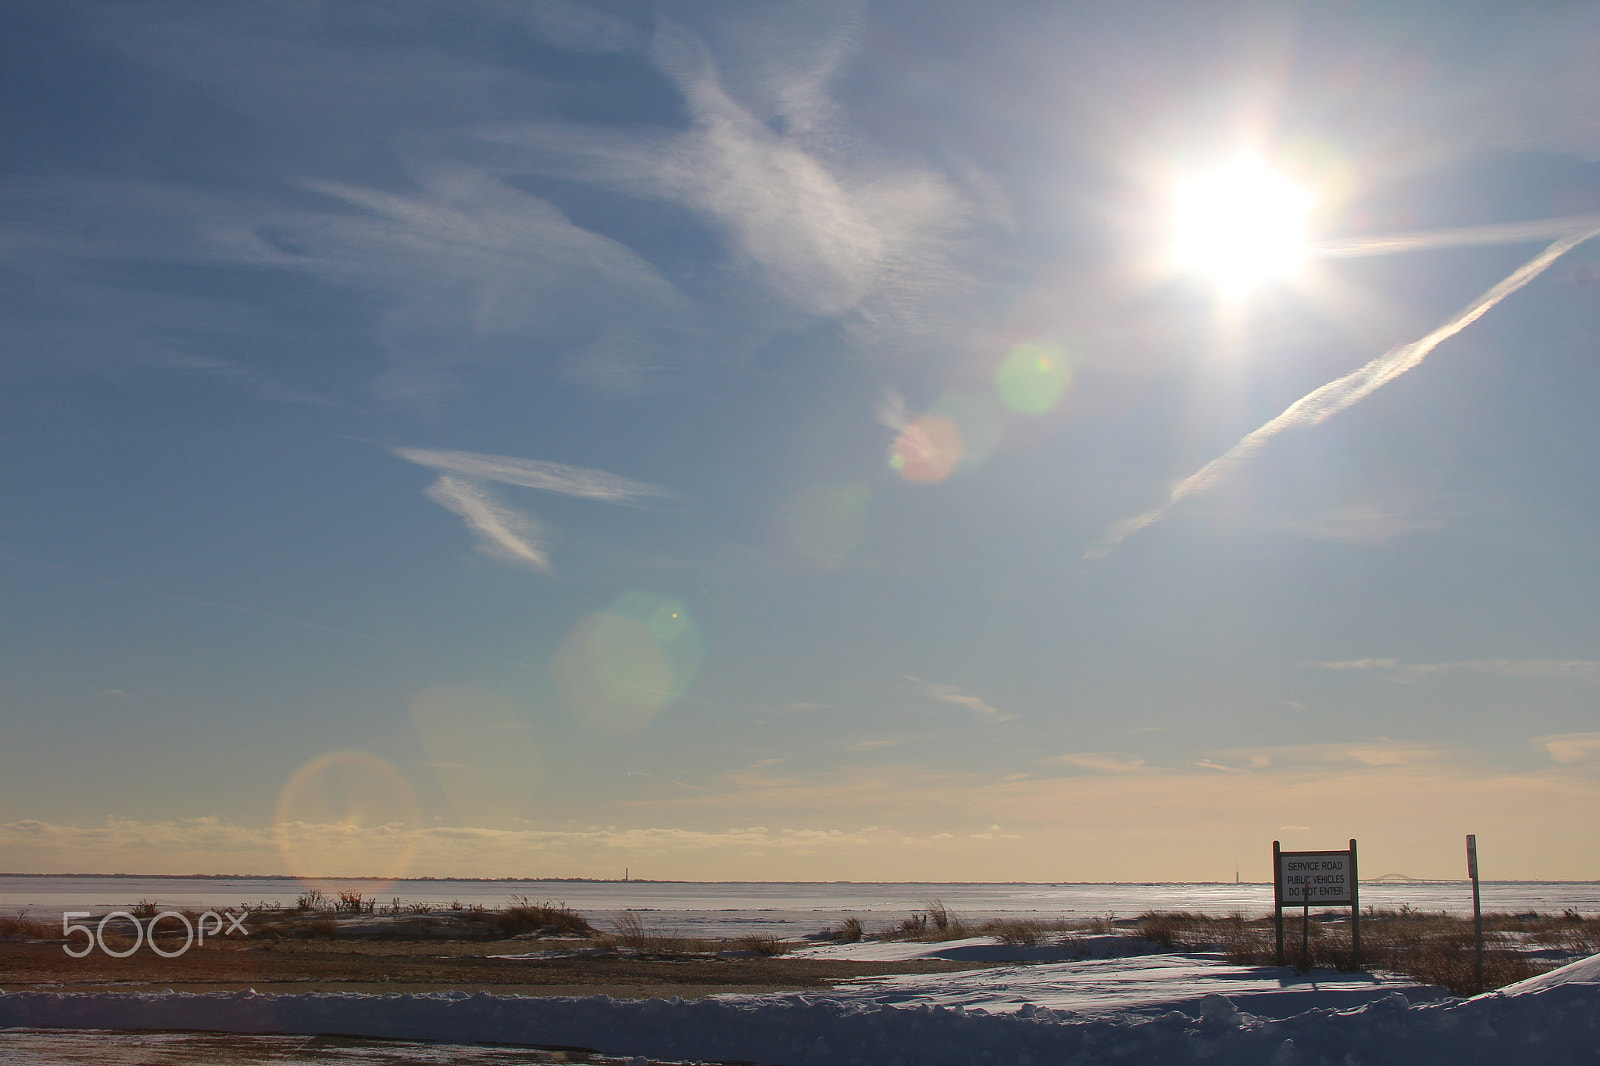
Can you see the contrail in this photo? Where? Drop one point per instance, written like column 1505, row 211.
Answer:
column 1335, row 396
column 1463, row 237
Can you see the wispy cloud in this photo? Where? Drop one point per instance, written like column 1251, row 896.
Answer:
column 1328, row 400
column 473, row 266
column 1378, row 752
column 1373, row 521
column 65, row 249
column 891, row 412
column 1253, row 760
column 1110, row 762
column 813, row 216
column 459, row 269
column 899, row 791
column 1584, row 670
column 869, row 745
column 873, row 822
column 1569, row 747
column 393, row 166
column 534, row 474
column 672, row 781
column 979, row 707
column 503, row 531
column 574, row 27
column 1379, row 517
column 345, row 850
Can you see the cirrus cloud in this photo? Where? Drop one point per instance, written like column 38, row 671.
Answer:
column 1110, row 762
column 504, row 532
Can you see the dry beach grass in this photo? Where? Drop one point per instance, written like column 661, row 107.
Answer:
column 539, row 949
column 1433, row 948
column 571, row 968
column 545, row 948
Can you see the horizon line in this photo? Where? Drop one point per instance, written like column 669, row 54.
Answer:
column 1381, row 878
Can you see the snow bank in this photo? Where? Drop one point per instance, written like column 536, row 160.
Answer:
column 1582, row 972
column 1556, row 1025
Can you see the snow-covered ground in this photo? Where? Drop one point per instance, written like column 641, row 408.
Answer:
column 1166, row 1008
column 1053, row 977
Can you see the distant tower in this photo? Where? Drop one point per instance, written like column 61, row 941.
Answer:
column 624, row 873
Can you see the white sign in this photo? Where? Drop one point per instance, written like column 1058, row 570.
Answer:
column 1315, row 877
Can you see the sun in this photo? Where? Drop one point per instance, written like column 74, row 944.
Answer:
column 1239, row 226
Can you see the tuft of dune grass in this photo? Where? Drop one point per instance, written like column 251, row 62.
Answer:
column 20, row 924
column 936, row 922
column 764, row 944
column 1023, row 932
column 551, row 919
column 629, row 931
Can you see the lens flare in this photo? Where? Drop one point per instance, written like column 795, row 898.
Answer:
column 482, row 754
column 621, row 666
column 1033, row 377
column 826, row 522
column 928, row 449
column 1325, row 401
column 346, row 813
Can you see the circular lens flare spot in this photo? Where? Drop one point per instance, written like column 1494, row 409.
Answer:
column 621, row 666
column 668, row 623
column 346, row 814
column 927, row 450
column 1033, row 377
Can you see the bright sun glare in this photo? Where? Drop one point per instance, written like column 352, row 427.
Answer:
column 1239, row 226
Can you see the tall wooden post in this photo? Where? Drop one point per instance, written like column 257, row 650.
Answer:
column 1477, row 913
column 1277, row 895
column 1355, row 908
column 1305, row 928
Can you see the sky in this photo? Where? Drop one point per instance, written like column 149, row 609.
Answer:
column 734, row 441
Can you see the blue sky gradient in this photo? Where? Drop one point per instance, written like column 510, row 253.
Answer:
column 538, row 438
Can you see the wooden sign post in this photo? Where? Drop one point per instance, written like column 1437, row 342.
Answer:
column 1477, row 913
column 1324, row 878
